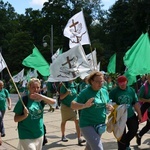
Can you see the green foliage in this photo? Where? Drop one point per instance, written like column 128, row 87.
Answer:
column 110, row 31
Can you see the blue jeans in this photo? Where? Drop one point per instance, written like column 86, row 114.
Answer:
column 2, row 130
column 93, row 139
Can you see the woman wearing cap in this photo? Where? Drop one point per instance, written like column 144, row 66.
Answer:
column 92, row 101
column 124, row 94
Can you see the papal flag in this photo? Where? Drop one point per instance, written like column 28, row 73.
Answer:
column 69, row 65
column 2, row 63
column 76, row 30
column 19, row 77
column 38, row 62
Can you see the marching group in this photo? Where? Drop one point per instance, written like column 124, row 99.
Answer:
column 87, row 104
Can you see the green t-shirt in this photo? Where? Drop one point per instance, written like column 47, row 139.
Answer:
column 127, row 96
column 69, row 98
column 32, row 126
column 82, row 86
column 4, row 94
column 96, row 114
column 145, row 93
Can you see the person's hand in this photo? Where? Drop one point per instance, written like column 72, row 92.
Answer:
column 26, row 111
column 9, row 107
column 109, row 107
column 140, row 117
column 69, row 92
column 89, row 103
column 36, row 96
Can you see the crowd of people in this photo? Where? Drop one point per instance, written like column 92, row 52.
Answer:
column 87, row 103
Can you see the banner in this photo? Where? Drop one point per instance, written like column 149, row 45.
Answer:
column 69, row 65
column 2, row 63
column 19, row 77
column 37, row 61
column 76, row 30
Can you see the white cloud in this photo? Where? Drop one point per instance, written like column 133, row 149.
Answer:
column 37, row 2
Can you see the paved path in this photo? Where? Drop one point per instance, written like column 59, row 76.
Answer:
column 52, row 122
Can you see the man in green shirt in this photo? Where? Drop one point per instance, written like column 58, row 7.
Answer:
column 124, row 94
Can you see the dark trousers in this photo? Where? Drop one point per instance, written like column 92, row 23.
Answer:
column 2, row 130
column 146, row 128
column 132, row 125
column 144, row 107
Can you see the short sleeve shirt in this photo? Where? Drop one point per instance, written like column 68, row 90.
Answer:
column 32, row 126
column 4, row 94
column 69, row 98
column 127, row 96
column 96, row 114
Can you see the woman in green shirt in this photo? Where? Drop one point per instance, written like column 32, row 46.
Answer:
column 30, row 117
column 93, row 103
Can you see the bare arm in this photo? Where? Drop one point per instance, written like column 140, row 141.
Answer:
column 9, row 103
column 137, row 109
column 144, row 100
column 79, row 106
column 39, row 97
column 63, row 95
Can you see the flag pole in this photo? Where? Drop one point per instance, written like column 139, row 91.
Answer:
column 64, row 86
column 15, row 87
column 90, row 43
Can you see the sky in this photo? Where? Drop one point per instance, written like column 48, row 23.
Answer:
column 21, row 5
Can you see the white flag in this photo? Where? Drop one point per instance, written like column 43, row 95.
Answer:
column 33, row 74
column 2, row 63
column 24, row 84
column 98, row 66
column 76, row 30
column 19, row 77
column 92, row 59
column 58, row 52
column 69, row 65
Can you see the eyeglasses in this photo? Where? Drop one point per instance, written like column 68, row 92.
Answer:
column 98, row 82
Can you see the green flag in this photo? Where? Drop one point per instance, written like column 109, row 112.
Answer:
column 37, row 61
column 111, row 68
column 131, row 79
column 137, row 58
